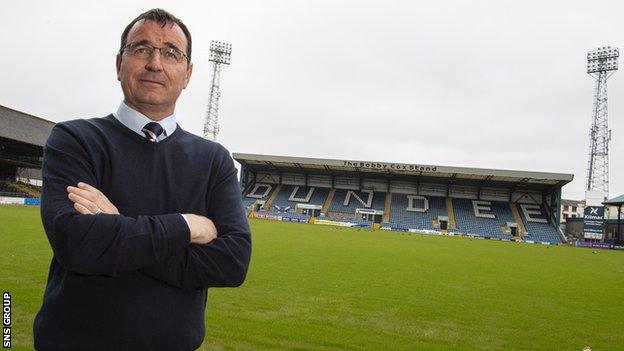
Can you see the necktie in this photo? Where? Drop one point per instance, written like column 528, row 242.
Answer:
column 152, row 131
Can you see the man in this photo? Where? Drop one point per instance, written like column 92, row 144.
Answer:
column 142, row 216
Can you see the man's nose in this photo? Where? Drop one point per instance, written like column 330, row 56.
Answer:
column 154, row 61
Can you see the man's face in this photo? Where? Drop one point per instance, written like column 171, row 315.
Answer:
column 150, row 85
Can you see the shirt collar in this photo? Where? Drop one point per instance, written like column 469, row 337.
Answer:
column 135, row 120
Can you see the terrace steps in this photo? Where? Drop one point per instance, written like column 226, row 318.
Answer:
column 450, row 213
column 328, row 200
column 269, row 203
column 387, row 207
column 516, row 215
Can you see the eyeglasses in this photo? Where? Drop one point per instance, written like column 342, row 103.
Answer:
column 169, row 54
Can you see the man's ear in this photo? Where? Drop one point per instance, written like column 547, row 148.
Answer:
column 118, row 65
column 189, row 71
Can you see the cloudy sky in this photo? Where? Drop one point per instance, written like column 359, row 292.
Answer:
column 492, row 84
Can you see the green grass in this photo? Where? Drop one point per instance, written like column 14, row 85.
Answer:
column 329, row 288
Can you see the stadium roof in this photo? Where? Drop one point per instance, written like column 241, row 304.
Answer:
column 420, row 172
column 616, row 201
column 22, row 127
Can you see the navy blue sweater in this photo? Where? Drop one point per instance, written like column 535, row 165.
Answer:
column 133, row 281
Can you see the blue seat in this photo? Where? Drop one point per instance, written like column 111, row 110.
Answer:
column 541, row 232
column 318, row 196
column 468, row 223
column 401, row 218
column 337, row 204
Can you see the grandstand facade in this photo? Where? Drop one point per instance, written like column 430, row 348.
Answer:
column 488, row 203
column 22, row 137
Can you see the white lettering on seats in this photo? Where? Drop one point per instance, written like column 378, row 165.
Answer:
column 412, row 208
column 369, row 200
column 257, row 191
column 529, row 210
column 479, row 206
column 293, row 196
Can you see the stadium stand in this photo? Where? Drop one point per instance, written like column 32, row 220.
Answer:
column 28, row 189
column 12, row 188
column 537, row 225
column 480, row 202
column 22, row 137
column 317, row 196
column 288, row 196
column 7, row 190
column 469, row 221
column 401, row 217
column 258, row 192
column 248, row 201
column 355, row 200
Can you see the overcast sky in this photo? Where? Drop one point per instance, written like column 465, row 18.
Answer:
column 491, row 84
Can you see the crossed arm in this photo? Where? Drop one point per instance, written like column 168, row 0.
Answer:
column 204, row 253
column 90, row 201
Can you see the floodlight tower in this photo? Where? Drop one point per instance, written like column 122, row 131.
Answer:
column 219, row 56
column 601, row 64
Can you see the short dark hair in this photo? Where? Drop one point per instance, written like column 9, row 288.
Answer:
column 163, row 18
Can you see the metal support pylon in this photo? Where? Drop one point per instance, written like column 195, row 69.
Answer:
column 211, row 127
column 219, row 57
column 600, row 64
column 599, row 137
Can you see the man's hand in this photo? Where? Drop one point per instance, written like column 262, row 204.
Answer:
column 89, row 200
column 202, row 229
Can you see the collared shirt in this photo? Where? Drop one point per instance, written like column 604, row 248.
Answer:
column 135, row 121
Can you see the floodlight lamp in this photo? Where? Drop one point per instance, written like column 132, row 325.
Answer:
column 220, row 52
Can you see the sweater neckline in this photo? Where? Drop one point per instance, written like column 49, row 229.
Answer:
column 141, row 140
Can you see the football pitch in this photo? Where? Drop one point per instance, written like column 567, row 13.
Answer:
column 313, row 287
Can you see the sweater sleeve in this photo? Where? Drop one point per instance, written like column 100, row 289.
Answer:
column 97, row 244
column 224, row 261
